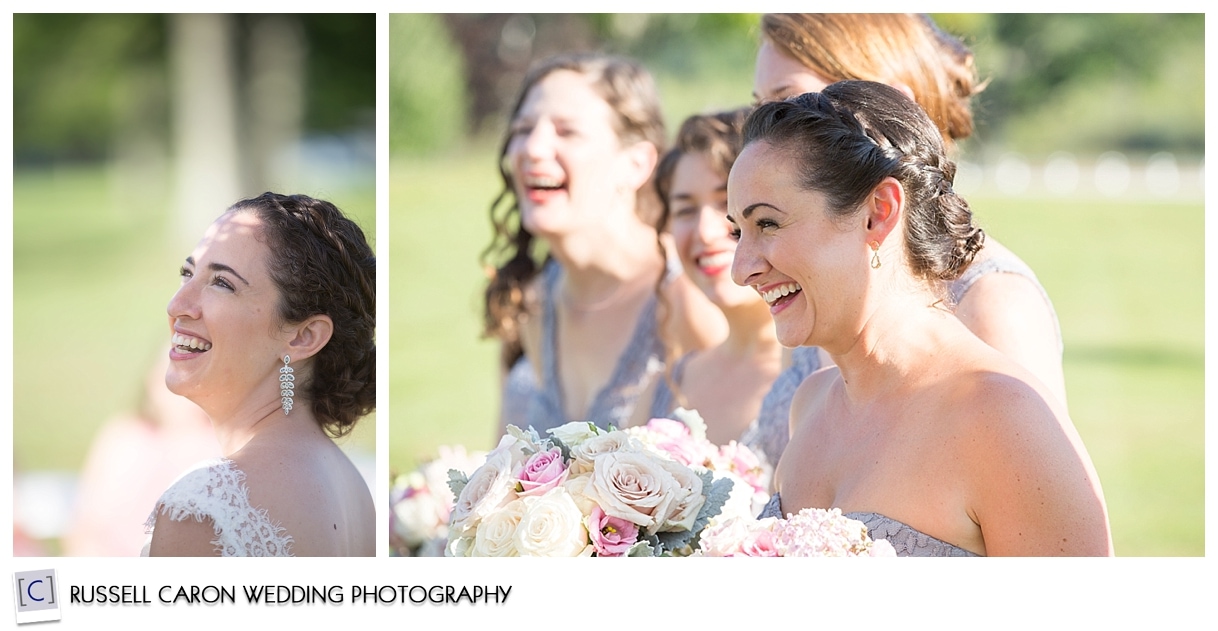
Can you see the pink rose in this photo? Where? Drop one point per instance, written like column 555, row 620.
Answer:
column 743, row 462
column 611, row 536
column 673, row 438
column 543, row 471
column 759, row 543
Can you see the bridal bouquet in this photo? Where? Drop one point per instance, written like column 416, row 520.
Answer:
column 812, row 532
column 582, row 491
column 683, row 438
column 421, row 501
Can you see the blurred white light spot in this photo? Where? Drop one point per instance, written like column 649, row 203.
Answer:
column 1061, row 173
column 1112, row 174
column 1012, row 175
column 1162, row 175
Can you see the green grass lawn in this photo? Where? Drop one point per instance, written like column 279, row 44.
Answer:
column 1125, row 277
column 93, row 268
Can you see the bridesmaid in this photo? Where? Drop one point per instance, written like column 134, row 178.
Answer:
column 580, row 324
column 692, row 182
column 999, row 298
column 848, row 227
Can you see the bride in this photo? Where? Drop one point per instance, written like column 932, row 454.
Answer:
column 848, row 227
column 272, row 333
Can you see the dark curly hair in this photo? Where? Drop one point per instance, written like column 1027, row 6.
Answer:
column 322, row 265
column 847, row 138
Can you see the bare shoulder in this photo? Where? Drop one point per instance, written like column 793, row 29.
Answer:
column 1033, row 490
column 812, row 394
column 1009, row 312
column 316, row 494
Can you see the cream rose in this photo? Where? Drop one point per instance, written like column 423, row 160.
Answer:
column 489, row 488
column 583, row 456
column 687, row 499
column 551, row 526
column 634, row 486
column 496, row 535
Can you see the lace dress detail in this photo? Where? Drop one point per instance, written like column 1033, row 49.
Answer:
column 770, row 432
column 527, row 403
column 907, row 541
column 216, row 489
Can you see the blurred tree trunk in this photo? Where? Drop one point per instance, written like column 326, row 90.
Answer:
column 204, row 106
column 275, row 103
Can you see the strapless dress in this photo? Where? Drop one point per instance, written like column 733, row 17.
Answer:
column 907, row 541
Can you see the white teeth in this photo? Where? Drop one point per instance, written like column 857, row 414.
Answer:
column 543, row 182
column 190, row 342
column 771, row 296
column 716, row 260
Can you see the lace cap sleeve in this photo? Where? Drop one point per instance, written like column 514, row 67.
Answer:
column 215, row 489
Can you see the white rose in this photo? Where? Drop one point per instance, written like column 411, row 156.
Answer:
column 496, row 535
column 574, row 433
column 458, row 546
column 577, row 488
column 687, row 499
column 588, row 451
column 489, row 488
column 633, row 486
column 419, row 518
column 740, row 503
column 551, row 526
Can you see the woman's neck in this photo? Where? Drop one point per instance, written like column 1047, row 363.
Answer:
column 893, row 345
column 599, row 267
column 237, row 426
column 750, row 330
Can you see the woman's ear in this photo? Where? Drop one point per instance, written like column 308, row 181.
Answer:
column 883, row 210
column 310, row 336
column 641, row 159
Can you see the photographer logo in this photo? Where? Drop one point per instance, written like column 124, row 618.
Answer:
column 37, row 596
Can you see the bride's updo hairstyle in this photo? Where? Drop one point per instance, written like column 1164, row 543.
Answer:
column 847, row 138
column 322, row 265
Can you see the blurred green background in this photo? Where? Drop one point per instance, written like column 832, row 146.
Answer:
column 1086, row 161
column 131, row 133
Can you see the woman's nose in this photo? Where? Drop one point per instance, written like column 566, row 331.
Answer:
column 747, row 263
column 539, row 142
column 184, row 302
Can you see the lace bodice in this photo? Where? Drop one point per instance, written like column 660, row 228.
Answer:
column 215, row 489
column 528, row 403
column 907, row 541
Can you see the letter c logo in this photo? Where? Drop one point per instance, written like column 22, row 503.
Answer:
column 30, row 593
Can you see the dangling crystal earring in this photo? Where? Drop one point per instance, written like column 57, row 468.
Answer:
column 287, row 385
column 875, row 254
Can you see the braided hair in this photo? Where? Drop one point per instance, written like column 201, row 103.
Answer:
column 853, row 134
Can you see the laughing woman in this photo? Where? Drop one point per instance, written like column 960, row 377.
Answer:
column 580, row 326
column 849, row 228
column 273, row 337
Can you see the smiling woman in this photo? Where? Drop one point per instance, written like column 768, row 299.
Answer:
column 848, row 227
column 272, row 333
column 576, row 162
